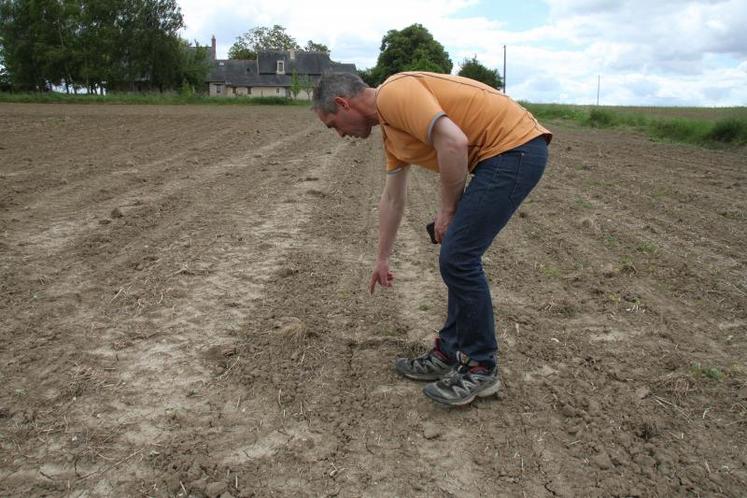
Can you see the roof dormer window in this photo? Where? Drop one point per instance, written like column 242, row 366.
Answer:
column 281, row 67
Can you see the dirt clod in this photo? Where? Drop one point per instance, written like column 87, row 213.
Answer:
column 215, row 489
column 602, row 460
column 431, row 430
column 198, row 485
column 642, row 392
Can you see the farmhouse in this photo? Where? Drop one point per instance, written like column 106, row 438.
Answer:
column 271, row 74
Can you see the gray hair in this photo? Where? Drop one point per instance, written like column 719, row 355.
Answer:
column 333, row 85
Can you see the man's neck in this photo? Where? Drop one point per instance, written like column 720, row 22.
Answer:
column 366, row 105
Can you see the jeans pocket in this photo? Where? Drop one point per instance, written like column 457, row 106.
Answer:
column 528, row 175
column 517, row 188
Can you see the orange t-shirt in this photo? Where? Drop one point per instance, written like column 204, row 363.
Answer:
column 408, row 105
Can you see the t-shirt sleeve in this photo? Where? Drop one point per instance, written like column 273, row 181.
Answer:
column 407, row 105
column 392, row 163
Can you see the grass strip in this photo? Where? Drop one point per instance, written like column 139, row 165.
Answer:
column 728, row 130
column 143, row 99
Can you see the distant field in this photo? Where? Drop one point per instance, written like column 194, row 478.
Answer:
column 704, row 126
column 699, row 113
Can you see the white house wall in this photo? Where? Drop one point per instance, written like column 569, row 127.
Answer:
column 268, row 91
column 217, row 90
column 220, row 90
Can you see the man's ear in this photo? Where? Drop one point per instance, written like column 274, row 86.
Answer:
column 342, row 102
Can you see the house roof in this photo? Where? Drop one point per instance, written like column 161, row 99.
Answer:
column 263, row 71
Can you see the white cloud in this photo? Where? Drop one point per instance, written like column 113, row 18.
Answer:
column 647, row 52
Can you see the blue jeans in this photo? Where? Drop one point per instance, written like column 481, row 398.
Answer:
column 499, row 185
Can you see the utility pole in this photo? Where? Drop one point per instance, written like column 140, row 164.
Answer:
column 504, row 69
column 599, row 82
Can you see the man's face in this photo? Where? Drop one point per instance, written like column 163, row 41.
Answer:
column 347, row 121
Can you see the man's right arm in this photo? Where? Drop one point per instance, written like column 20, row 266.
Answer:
column 391, row 208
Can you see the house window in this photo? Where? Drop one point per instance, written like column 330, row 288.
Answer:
column 281, row 67
column 277, row 90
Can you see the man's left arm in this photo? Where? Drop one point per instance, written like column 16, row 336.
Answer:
column 451, row 146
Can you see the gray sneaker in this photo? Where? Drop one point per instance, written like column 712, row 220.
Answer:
column 465, row 383
column 433, row 365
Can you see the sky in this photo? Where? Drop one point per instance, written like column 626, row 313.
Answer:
column 634, row 52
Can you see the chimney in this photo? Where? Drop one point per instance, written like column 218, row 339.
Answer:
column 212, row 49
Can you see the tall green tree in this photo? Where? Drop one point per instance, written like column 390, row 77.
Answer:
column 262, row 38
column 241, row 50
column 195, row 65
column 274, row 38
column 156, row 45
column 53, row 28
column 410, row 49
column 24, row 52
column 472, row 68
column 102, row 45
column 120, row 44
column 312, row 46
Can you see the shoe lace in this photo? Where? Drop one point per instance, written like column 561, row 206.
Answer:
column 456, row 376
column 461, row 377
column 426, row 360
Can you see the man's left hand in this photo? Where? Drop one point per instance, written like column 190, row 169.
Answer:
column 443, row 220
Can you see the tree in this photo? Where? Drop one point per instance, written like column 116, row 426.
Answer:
column 471, row 68
column 5, row 84
column 367, row 75
column 411, row 49
column 101, row 53
column 316, row 47
column 307, row 84
column 24, row 50
column 295, row 87
column 240, row 50
column 117, row 44
column 52, row 25
column 262, row 38
column 157, row 46
column 422, row 62
column 195, row 65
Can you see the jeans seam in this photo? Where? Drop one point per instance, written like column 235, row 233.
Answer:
column 516, row 182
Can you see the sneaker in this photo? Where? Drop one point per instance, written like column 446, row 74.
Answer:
column 433, row 365
column 468, row 381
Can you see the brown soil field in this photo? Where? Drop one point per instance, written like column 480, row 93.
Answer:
column 184, row 312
